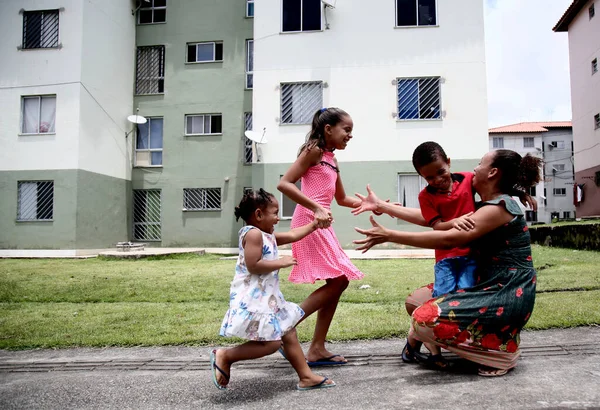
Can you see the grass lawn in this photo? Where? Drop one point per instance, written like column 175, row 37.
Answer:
column 182, row 300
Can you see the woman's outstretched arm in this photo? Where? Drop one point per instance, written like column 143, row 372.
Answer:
column 486, row 220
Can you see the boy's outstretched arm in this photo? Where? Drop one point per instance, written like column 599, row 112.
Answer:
column 295, row 234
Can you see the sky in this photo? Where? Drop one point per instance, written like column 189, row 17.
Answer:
column 527, row 62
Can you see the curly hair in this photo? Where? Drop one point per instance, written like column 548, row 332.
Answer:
column 316, row 137
column 518, row 173
column 251, row 201
column 426, row 153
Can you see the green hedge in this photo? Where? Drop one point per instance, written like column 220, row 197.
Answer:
column 584, row 236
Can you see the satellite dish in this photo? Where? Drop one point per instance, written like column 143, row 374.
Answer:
column 137, row 119
column 257, row 137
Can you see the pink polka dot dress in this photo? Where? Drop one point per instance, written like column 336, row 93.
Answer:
column 319, row 254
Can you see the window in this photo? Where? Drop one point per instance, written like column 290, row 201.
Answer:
column 559, row 167
column 559, row 191
column 594, row 66
column 300, row 101
column 249, row 63
column 38, row 114
column 301, row 15
column 592, row 11
column 498, row 142
column 531, row 216
column 204, row 52
column 152, row 11
column 247, row 142
column 149, row 143
column 415, row 13
column 528, row 142
column 40, row 29
column 419, row 98
column 36, row 201
column 247, row 190
column 203, row 124
column 596, row 121
column 146, row 214
column 150, row 70
column 532, row 190
column 286, row 210
column 201, row 199
column 409, row 186
column 249, row 8
column 557, row 144
column 566, row 214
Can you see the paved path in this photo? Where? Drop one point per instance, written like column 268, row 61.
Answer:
column 558, row 369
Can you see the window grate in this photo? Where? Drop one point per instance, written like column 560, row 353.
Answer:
column 419, row 98
column 146, row 215
column 300, row 101
column 202, row 199
column 150, row 74
column 35, row 201
column 248, row 154
column 40, row 29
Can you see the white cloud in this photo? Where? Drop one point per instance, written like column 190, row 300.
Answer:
column 527, row 62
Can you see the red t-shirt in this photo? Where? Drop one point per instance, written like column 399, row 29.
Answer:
column 446, row 206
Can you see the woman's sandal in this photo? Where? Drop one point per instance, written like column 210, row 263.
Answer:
column 408, row 352
column 432, row 361
column 486, row 371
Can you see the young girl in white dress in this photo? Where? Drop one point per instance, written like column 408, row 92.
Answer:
column 258, row 311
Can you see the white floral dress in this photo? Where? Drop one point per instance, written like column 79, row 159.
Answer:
column 257, row 309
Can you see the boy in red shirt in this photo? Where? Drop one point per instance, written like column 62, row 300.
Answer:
column 446, row 202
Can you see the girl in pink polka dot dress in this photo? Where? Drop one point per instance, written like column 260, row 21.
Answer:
column 319, row 255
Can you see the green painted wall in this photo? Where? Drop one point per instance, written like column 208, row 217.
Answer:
column 90, row 211
column 199, row 162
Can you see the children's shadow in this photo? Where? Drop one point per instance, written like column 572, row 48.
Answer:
column 244, row 390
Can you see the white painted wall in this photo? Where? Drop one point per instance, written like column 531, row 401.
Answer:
column 584, row 46
column 92, row 77
column 107, row 78
column 358, row 57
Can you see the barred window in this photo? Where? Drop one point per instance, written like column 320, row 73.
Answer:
column 498, row 142
column 36, row 201
column 202, row 199
column 409, row 186
column 150, row 70
column 301, row 15
column 560, row 191
column 38, row 114
column 247, row 142
column 528, row 142
column 300, row 101
column 415, row 13
column 40, row 29
column 146, row 215
column 153, row 11
column 249, row 8
column 419, row 98
column 249, row 63
column 203, row 124
column 149, row 143
column 287, row 207
column 204, row 52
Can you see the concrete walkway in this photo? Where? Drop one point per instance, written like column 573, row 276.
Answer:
column 558, row 369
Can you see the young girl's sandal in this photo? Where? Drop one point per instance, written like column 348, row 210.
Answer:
column 486, row 371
